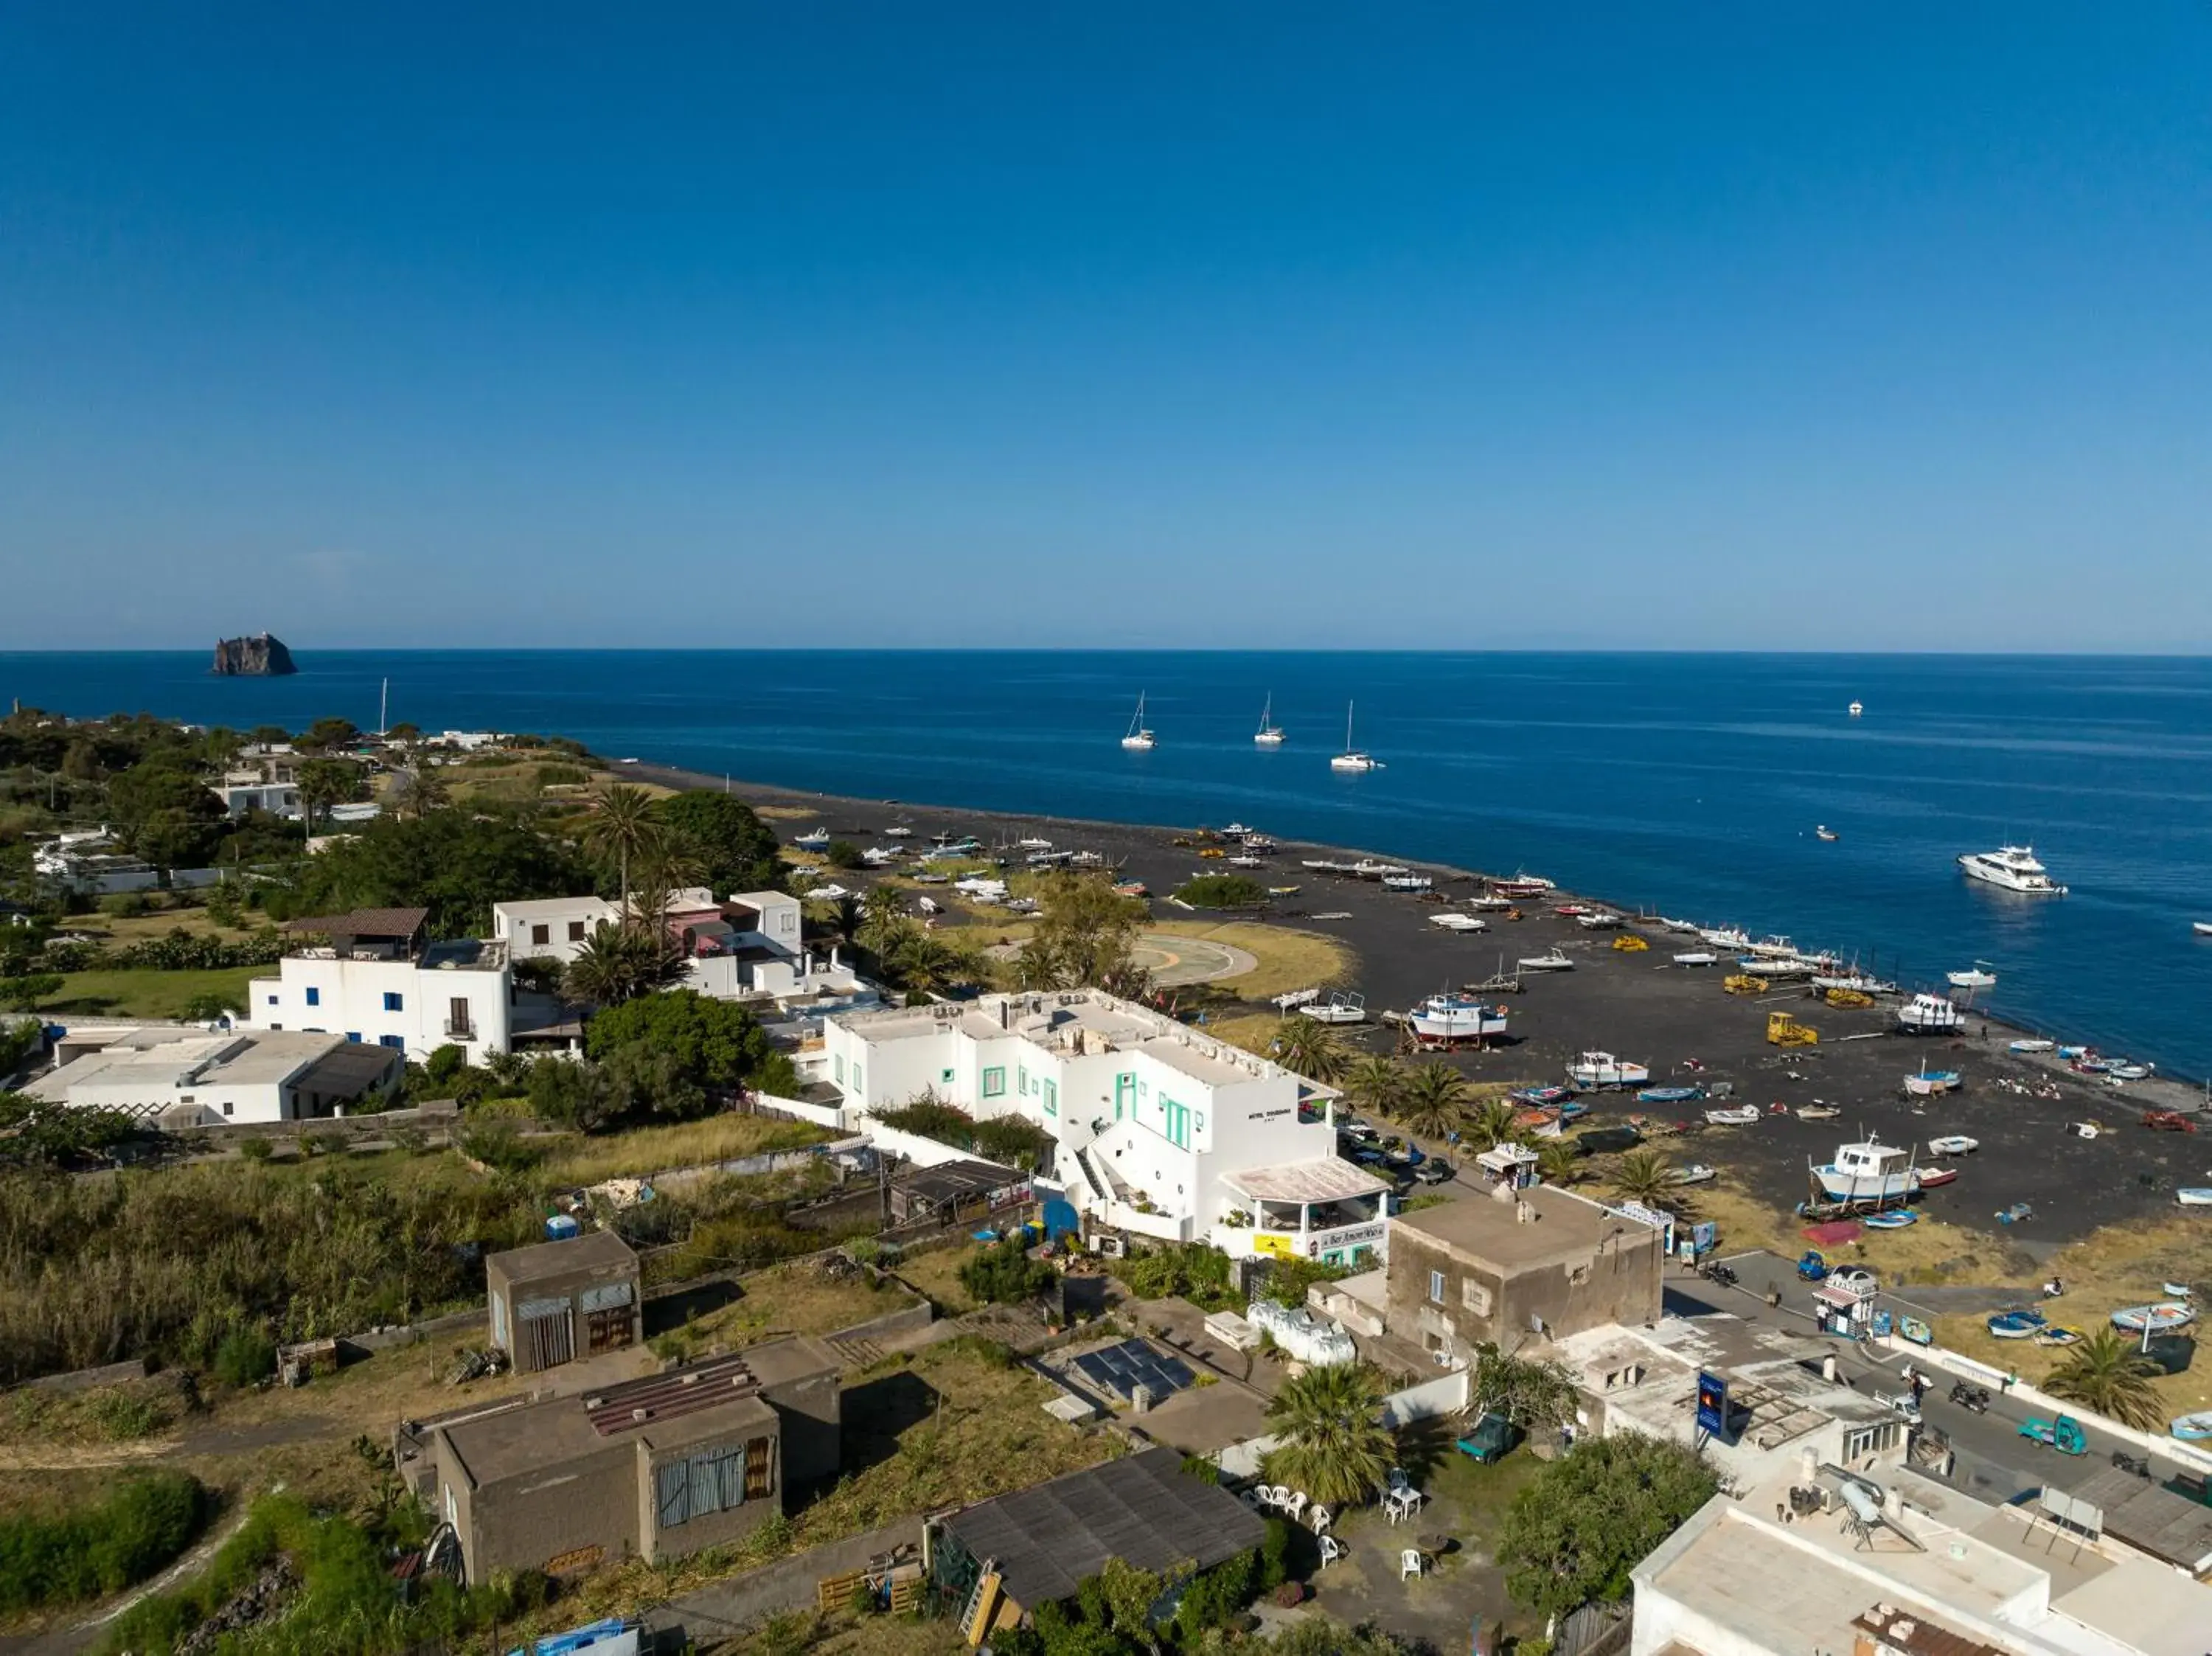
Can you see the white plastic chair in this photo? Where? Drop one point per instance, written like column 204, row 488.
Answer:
column 1319, row 1518
column 1331, row 1550
column 1409, row 1563
column 1397, row 1479
column 1296, row 1506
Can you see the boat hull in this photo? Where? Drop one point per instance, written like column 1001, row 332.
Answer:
column 1840, row 1186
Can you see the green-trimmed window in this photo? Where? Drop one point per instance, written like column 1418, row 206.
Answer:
column 1051, row 1098
column 995, row 1080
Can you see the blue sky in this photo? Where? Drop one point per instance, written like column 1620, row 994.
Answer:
column 1712, row 326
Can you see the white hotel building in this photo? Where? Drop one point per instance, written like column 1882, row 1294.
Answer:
column 373, row 977
column 1159, row 1130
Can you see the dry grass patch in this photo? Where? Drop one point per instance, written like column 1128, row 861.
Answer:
column 1288, row 959
column 645, row 1151
column 838, row 1634
column 800, row 1298
column 937, row 1273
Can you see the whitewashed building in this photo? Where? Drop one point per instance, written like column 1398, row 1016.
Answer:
column 187, row 1077
column 749, row 946
column 1158, row 1129
column 373, row 977
column 550, row 928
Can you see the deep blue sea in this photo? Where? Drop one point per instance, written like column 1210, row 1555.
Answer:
column 1687, row 784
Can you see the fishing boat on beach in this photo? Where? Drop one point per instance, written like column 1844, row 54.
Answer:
column 2162, row 1318
column 1929, row 1015
column 1670, row 1094
column 1818, row 1112
column 1697, row 1173
column 1895, row 1219
column 1776, row 967
column 1404, row 882
column 1867, row 1171
column 2194, row 1195
column 1553, row 960
column 1292, row 1000
column 1931, row 1083
column 1697, row 957
column 2018, row 1323
column 1139, row 739
column 1855, row 983
column 1737, row 1115
column 1455, row 921
column 1489, row 904
column 814, row 839
column 2022, row 1048
column 1726, row 937
column 2192, row 1428
column 1270, row 734
column 1449, row 1019
column 1598, row 1069
column 1340, row 1008
column 1542, row 1096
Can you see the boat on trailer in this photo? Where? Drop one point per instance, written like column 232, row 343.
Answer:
column 1595, row 1070
column 1340, row 1008
column 1449, row 1019
column 1867, row 1171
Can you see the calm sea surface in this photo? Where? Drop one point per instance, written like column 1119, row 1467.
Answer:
column 1689, row 783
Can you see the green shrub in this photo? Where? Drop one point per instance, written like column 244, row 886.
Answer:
column 124, row 905
column 562, row 776
column 1004, row 1274
column 123, row 1417
column 246, row 1357
column 133, row 1533
column 257, row 1149
column 842, row 854
column 1221, row 891
column 446, row 1062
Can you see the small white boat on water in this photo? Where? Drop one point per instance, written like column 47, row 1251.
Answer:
column 1856, row 708
column 1735, row 1115
column 1929, row 1015
column 1824, row 832
column 1352, row 759
column 1597, row 1069
column 1139, row 738
column 2014, row 868
column 1554, row 959
column 1979, row 976
column 2202, row 928
column 1457, row 1017
column 2162, row 1318
column 1270, row 734
column 1339, row 1008
column 1698, row 957
column 1867, row 1171
column 814, row 839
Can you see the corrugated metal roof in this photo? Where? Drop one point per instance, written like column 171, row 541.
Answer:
column 1047, row 1541
column 2150, row 1518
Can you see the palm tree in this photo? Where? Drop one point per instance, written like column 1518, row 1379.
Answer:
column 1492, row 1123
column 1311, row 1049
column 1334, row 1446
column 1560, row 1161
column 622, row 827
column 1644, row 1176
column 1037, row 966
column 1431, row 1105
column 880, row 908
column 2106, row 1375
column 424, row 791
column 619, row 962
column 1376, row 1083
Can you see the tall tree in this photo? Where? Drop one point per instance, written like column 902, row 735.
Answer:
column 623, row 825
column 619, row 962
column 1335, row 1446
column 1535, row 1396
column 1432, row 1104
column 1375, row 1084
column 1087, row 927
column 424, row 790
column 327, row 782
column 2108, row 1376
column 1579, row 1526
column 1491, row 1123
column 737, row 850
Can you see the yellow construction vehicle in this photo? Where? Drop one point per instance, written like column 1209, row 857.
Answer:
column 1629, row 943
column 1783, row 1030
column 1849, row 997
column 1742, row 983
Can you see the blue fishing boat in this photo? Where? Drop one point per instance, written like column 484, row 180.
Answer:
column 1669, row 1094
column 2018, row 1323
column 2193, row 1429
column 1896, row 1219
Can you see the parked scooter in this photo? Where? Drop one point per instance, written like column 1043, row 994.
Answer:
column 1976, row 1397
column 1719, row 1273
column 2139, row 1465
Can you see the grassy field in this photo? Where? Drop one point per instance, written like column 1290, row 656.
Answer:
column 1288, row 959
column 794, row 1299
column 685, row 1144
column 937, row 1273
column 148, row 994
column 838, row 1634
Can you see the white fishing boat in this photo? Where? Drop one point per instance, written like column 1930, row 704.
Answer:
column 1824, row 832
column 1601, row 921
column 1246, row 860
column 2013, row 868
column 1373, row 867
column 1726, row 937
column 1490, row 905
column 1238, row 828
column 814, row 839
column 832, row 893
column 1929, row 1015
column 1856, row 708
column 899, row 831
column 1457, row 1017
column 1270, row 734
column 2163, row 1317
column 2023, row 1047
column 1776, row 966
column 1734, row 1115
column 2194, row 1195
column 1406, row 883
column 1858, row 982
column 1139, row 740
column 1953, row 1144
column 1292, row 1000
column 1087, row 859
column 1697, row 957
column 1690, row 926
column 1352, row 759
column 1867, row 1171
column 2202, row 928
column 1697, row 1173
column 1554, row 959
column 1777, row 948
column 1458, row 922
column 1339, row 1008
column 1977, row 977
column 882, row 856
column 1033, row 842
column 1595, row 1070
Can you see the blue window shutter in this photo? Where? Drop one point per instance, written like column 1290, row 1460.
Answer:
column 314, row 996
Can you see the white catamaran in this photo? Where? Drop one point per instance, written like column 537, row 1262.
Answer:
column 1270, row 734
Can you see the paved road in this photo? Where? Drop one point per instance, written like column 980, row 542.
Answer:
column 1994, row 1462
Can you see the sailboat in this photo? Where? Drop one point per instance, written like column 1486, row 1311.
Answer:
column 1352, row 759
column 1270, row 734
column 1139, row 740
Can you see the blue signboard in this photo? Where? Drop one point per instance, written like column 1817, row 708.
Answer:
column 1712, row 1405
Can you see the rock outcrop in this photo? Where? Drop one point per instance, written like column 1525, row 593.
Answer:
column 263, row 656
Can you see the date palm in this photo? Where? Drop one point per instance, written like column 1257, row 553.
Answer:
column 1644, row 1176
column 1312, row 1049
column 618, row 962
column 1492, row 1125
column 2106, row 1374
column 1434, row 1100
column 1560, row 1162
column 622, row 827
column 1333, row 1444
column 1376, row 1083
column 880, row 909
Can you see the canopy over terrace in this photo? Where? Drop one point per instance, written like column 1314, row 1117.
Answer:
column 1312, row 1210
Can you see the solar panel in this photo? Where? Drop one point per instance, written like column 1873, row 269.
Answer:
column 1122, row 1368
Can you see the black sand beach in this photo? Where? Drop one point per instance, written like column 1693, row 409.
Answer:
column 1641, row 1007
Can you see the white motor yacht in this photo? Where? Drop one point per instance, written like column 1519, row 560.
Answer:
column 1352, row 759
column 1270, row 734
column 1980, row 976
column 1139, row 739
column 1928, row 1015
column 813, row 840
column 1595, row 1070
column 2014, row 868
column 1457, row 1017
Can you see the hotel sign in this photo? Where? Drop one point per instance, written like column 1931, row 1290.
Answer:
column 1350, row 1236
